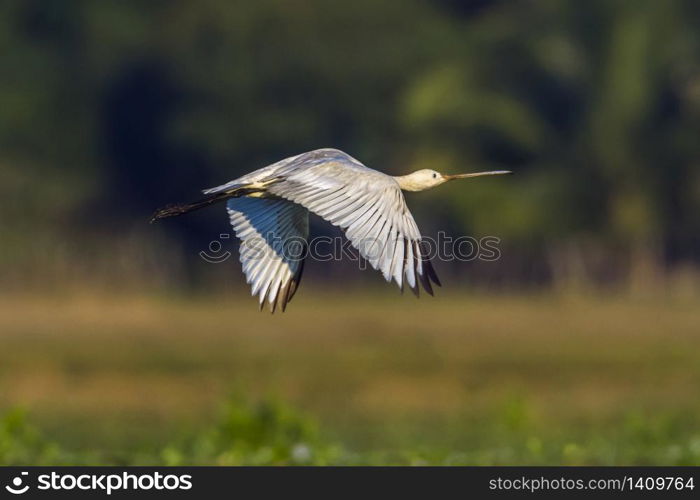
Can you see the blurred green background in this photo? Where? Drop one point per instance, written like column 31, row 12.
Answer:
column 581, row 345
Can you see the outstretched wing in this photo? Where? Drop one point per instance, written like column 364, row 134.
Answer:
column 273, row 234
column 369, row 206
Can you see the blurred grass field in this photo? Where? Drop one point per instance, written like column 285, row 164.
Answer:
column 377, row 379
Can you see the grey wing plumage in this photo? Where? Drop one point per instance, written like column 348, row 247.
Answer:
column 273, row 234
column 368, row 205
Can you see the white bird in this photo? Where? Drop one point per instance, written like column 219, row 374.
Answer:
column 269, row 209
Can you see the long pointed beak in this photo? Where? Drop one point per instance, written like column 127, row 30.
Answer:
column 476, row 174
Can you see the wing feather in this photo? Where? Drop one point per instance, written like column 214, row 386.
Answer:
column 266, row 226
column 368, row 205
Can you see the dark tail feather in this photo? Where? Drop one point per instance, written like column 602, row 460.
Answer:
column 179, row 209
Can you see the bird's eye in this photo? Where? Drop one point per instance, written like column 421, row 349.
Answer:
column 434, row 175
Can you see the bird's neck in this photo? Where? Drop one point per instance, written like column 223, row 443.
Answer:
column 408, row 182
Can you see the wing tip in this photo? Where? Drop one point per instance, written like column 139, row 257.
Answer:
column 432, row 275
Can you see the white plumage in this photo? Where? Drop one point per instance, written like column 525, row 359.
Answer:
column 269, row 211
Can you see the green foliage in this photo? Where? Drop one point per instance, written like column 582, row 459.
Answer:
column 22, row 443
column 264, row 433
column 593, row 104
column 271, row 433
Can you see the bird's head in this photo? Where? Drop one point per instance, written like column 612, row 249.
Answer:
column 420, row 180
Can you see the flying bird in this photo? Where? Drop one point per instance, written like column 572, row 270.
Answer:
column 269, row 208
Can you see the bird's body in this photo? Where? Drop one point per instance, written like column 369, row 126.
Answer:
column 269, row 211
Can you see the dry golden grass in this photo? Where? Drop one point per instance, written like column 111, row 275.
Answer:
column 367, row 367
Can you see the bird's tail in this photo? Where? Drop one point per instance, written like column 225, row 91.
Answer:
column 183, row 208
